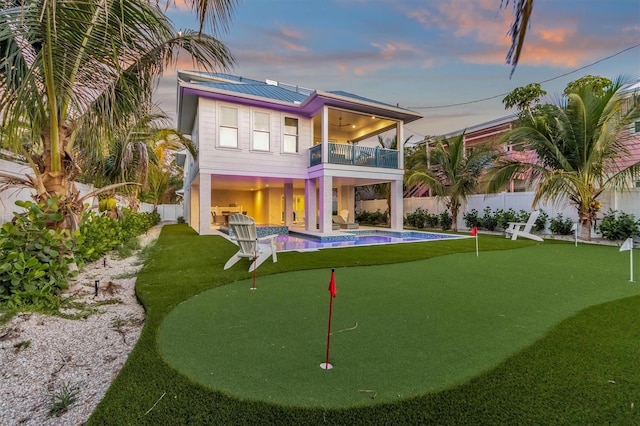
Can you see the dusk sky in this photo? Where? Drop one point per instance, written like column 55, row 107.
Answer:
column 424, row 55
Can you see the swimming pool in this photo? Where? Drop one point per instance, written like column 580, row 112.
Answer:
column 295, row 241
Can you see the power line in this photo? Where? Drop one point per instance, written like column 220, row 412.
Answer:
column 540, row 82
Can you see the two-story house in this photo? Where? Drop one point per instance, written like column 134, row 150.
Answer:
column 282, row 153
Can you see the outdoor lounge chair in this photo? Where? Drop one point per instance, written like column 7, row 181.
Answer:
column 519, row 229
column 257, row 249
column 337, row 219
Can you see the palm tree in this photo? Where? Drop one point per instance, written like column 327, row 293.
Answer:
column 522, row 11
column 580, row 150
column 453, row 172
column 72, row 68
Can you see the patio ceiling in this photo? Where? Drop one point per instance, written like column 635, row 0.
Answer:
column 252, row 183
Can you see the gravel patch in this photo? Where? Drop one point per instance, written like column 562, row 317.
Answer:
column 43, row 357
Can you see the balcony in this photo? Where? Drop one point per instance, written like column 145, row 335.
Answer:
column 354, row 155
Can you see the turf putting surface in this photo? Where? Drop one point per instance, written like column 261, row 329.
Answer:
column 399, row 330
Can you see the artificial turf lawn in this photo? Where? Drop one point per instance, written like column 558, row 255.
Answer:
column 420, row 326
column 582, row 372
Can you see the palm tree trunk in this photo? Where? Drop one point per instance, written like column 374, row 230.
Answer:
column 454, row 217
column 585, row 229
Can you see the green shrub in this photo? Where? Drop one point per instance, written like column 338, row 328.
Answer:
column 506, row 216
column 561, row 226
column 541, row 222
column 489, row 221
column 432, row 220
column 619, row 225
column 471, row 219
column 181, row 219
column 372, row 218
column 34, row 259
column 417, row 219
column 445, row 220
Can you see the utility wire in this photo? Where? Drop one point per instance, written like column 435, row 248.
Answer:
column 540, row 82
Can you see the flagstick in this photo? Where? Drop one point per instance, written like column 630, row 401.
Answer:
column 477, row 245
column 326, row 365
column 631, row 262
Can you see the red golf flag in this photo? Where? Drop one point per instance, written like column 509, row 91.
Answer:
column 474, row 231
column 332, row 284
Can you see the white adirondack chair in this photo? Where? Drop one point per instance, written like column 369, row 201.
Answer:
column 520, row 229
column 250, row 246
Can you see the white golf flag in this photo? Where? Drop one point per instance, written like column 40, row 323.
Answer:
column 628, row 244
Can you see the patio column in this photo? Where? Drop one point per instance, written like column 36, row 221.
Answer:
column 326, row 198
column 288, row 204
column 347, row 201
column 310, row 205
column 397, row 208
column 205, row 204
column 325, row 134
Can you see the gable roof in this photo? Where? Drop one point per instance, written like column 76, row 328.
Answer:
column 273, row 95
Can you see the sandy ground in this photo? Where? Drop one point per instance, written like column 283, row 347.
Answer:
column 43, row 358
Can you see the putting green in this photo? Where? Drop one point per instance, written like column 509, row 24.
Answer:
column 398, row 330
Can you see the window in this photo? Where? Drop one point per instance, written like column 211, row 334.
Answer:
column 228, row 127
column 290, row 135
column 261, row 131
column 637, row 126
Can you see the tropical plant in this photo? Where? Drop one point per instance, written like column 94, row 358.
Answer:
column 580, row 151
column 524, row 97
column 453, row 173
column 560, row 225
column 77, row 68
column 619, row 226
column 522, row 11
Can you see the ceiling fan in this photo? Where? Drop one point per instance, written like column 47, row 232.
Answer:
column 341, row 124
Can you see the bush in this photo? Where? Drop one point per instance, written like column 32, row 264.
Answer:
column 619, row 225
column 506, row 216
column 489, row 221
column 541, row 222
column 181, row 219
column 445, row 220
column 372, row 218
column 432, row 220
column 561, row 226
column 34, row 260
column 417, row 219
column 471, row 219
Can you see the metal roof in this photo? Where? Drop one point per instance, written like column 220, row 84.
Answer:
column 360, row 98
column 263, row 90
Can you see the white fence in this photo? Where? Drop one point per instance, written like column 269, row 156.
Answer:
column 168, row 212
column 627, row 201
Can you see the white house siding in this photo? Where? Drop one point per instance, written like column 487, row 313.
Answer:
column 229, row 161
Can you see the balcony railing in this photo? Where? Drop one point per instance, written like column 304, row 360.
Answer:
column 355, row 155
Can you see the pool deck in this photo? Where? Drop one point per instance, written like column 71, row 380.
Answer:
column 335, row 235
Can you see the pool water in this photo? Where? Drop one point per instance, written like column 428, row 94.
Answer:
column 358, row 238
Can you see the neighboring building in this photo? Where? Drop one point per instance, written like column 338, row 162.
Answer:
column 281, row 153
column 492, row 130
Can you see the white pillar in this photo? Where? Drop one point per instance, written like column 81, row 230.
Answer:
column 325, row 134
column 326, row 194
column 288, row 203
column 310, row 204
column 347, row 198
column 397, row 208
column 205, row 204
